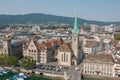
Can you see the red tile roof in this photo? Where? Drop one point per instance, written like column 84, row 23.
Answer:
column 48, row 44
column 66, row 47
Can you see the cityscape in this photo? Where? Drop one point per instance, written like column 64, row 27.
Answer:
column 59, row 46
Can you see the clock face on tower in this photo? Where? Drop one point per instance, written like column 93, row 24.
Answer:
column 75, row 34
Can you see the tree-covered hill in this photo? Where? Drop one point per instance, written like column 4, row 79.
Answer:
column 39, row 18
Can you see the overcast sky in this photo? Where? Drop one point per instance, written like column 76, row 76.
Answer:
column 100, row 10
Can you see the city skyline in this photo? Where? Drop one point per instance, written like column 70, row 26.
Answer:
column 103, row 10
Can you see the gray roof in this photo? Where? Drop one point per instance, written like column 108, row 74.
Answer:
column 16, row 42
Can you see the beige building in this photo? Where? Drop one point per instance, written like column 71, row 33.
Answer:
column 99, row 64
column 41, row 52
column 6, row 47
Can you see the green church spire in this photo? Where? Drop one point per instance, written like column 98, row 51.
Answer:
column 76, row 29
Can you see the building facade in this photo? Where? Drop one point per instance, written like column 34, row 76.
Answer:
column 11, row 47
column 99, row 64
column 92, row 47
column 41, row 52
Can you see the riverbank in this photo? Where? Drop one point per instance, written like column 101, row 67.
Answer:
column 33, row 77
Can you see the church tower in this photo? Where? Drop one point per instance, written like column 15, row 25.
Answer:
column 75, row 39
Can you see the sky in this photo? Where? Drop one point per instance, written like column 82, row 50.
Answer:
column 100, row 10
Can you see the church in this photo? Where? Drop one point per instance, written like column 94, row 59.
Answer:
column 70, row 53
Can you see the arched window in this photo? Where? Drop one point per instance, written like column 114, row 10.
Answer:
column 64, row 57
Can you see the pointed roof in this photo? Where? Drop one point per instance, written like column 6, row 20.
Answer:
column 76, row 29
column 65, row 47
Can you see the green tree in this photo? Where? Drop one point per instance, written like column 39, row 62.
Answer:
column 6, row 60
column 27, row 62
column 1, row 59
column 12, row 60
column 117, row 37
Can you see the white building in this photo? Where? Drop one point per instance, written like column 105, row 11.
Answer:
column 94, row 28
column 117, row 68
column 35, row 28
column 92, row 47
column 109, row 28
column 99, row 65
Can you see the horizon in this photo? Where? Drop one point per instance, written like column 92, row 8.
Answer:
column 103, row 10
column 58, row 15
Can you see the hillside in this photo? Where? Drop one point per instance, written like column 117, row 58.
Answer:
column 39, row 18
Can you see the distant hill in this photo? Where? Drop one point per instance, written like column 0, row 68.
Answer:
column 39, row 18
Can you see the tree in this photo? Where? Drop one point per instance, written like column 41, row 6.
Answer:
column 117, row 37
column 1, row 59
column 6, row 60
column 12, row 60
column 27, row 62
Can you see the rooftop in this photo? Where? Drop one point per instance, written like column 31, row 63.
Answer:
column 104, row 58
column 91, row 44
column 65, row 47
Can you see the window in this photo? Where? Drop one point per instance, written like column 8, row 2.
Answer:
column 110, row 74
column 90, row 72
column 5, row 50
column 29, row 50
column 31, row 45
column 34, row 50
column 64, row 57
column 102, row 73
column 87, row 71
